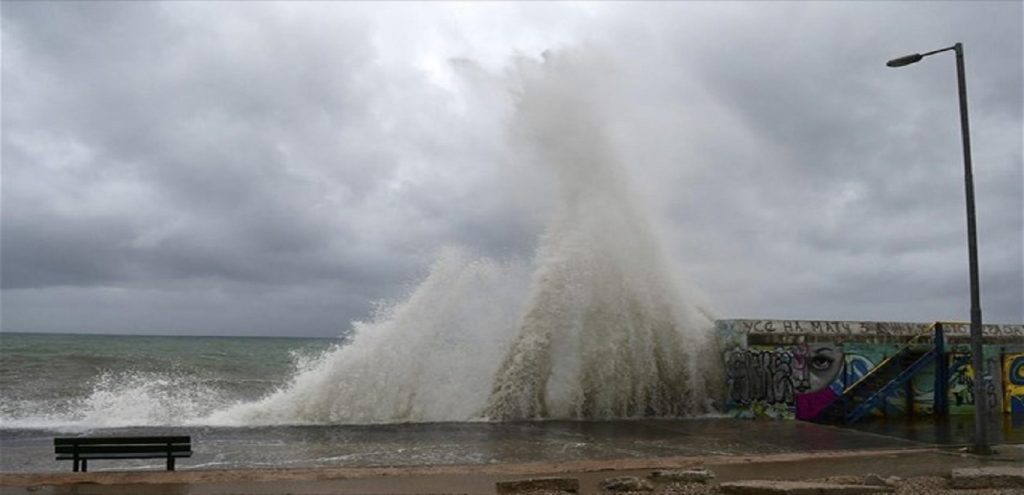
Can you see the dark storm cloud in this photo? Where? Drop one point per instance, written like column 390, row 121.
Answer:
column 150, row 143
column 828, row 185
column 272, row 168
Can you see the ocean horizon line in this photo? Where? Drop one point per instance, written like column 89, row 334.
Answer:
column 93, row 334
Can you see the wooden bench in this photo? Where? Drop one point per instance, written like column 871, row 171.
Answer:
column 82, row 449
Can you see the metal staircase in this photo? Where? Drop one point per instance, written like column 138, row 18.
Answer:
column 882, row 382
column 905, row 365
column 890, row 377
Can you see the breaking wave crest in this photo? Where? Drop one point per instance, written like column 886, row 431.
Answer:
column 429, row 358
column 124, row 399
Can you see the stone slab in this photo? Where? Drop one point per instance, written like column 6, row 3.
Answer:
column 626, row 484
column 683, row 475
column 773, row 487
column 989, row 477
column 571, row 485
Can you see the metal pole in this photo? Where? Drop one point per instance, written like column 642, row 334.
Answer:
column 977, row 359
column 941, row 389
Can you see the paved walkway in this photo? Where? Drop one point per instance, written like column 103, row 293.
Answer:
column 480, row 479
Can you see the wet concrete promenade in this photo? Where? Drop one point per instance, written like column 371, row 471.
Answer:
column 471, row 457
column 949, row 431
column 493, row 443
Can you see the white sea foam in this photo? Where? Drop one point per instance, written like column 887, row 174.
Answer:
column 124, row 399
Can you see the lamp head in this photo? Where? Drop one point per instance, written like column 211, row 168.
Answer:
column 907, row 60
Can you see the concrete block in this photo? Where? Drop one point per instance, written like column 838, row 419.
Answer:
column 988, row 477
column 570, row 485
column 684, row 475
column 627, row 484
column 772, row 487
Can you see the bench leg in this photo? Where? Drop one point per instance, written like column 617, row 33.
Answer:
column 85, row 465
column 74, row 466
column 170, row 464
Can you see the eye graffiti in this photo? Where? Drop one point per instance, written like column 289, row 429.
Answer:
column 821, row 363
column 824, row 364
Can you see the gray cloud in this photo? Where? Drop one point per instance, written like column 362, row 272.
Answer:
column 274, row 168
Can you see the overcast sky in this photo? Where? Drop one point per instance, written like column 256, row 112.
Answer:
column 236, row 168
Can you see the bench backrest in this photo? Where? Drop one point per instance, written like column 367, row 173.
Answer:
column 128, row 445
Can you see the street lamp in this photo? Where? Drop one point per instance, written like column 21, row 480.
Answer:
column 977, row 360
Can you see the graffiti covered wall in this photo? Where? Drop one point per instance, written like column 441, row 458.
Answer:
column 799, row 369
column 961, row 382
column 1013, row 378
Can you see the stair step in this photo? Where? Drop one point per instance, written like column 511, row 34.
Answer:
column 873, row 389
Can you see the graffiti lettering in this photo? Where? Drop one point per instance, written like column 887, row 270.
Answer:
column 862, row 328
column 764, row 376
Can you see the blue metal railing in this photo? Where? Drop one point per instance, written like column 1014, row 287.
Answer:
column 876, row 399
column 845, row 407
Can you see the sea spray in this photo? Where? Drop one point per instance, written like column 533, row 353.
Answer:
column 120, row 399
column 430, row 357
column 605, row 332
column 594, row 327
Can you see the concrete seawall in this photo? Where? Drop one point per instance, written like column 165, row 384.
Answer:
column 796, row 368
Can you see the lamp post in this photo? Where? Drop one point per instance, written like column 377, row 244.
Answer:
column 977, row 360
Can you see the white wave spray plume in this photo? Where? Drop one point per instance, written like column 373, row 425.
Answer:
column 606, row 333
column 596, row 327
